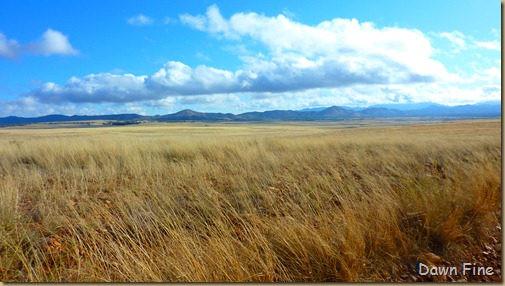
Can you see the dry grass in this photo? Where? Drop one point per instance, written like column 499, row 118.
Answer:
column 243, row 202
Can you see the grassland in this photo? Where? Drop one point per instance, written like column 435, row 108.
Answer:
column 246, row 202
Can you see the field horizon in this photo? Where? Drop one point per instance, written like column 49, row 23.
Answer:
column 427, row 111
column 345, row 201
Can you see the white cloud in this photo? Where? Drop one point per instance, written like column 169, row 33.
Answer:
column 360, row 96
column 19, row 106
column 491, row 45
column 165, row 103
column 140, row 20
column 213, row 22
column 457, row 38
column 389, row 49
column 481, row 76
column 8, row 48
column 52, row 42
column 100, row 88
column 460, row 41
column 197, row 22
column 210, row 101
column 493, row 74
column 176, row 78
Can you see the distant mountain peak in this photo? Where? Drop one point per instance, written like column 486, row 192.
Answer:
column 187, row 111
column 336, row 111
column 334, row 108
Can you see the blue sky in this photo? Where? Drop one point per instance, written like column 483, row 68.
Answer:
column 159, row 57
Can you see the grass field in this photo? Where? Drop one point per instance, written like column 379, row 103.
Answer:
column 345, row 201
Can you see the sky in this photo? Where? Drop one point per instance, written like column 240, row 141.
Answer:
column 158, row 57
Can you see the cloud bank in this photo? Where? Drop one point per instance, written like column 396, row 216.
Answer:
column 332, row 54
column 340, row 61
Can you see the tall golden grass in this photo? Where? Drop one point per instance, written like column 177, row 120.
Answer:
column 296, row 203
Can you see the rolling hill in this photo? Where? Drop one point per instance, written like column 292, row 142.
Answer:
column 488, row 110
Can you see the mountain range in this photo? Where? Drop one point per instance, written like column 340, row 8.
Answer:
column 483, row 110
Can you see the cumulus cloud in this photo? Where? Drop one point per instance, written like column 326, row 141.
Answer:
column 19, row 106
column 99, row 88
column 212, row 22
column 140, row 20
column 51, row 43
column 281, row 74
column 406, row 50
column 176, row 78
column 8, row 48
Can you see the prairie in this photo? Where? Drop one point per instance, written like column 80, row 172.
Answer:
column 345, row 201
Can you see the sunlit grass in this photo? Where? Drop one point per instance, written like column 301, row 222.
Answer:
column 240, row 202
